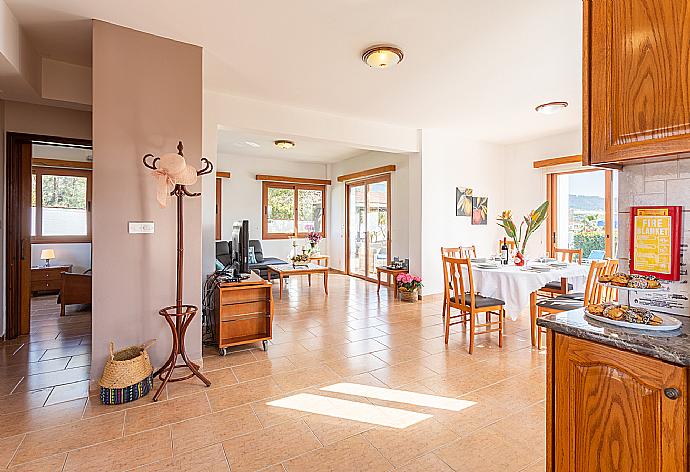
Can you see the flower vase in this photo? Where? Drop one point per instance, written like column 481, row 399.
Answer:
column 519, row 259
column 409, row 296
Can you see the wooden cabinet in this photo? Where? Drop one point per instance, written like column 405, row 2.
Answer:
column 48, row 279
column 612, row 410
column 243, row 312
column 636, row 79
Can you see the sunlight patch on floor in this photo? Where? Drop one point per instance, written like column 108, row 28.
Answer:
column 400, row 396
column 349, row 410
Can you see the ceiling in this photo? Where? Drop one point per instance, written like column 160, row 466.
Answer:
column 255, row 144
column 480, row 67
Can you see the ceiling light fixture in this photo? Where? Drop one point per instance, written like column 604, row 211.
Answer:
column 381, row 56
column 284, row 144
column 551, row 107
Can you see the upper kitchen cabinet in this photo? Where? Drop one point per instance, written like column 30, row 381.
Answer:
column 636, row 79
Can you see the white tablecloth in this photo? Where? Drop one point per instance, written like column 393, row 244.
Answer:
column 514, row 285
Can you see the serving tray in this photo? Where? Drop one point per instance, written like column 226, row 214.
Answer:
column 669, row 322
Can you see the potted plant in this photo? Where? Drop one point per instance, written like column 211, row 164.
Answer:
column 314, row 237
column 408, row 287
column 530, row 223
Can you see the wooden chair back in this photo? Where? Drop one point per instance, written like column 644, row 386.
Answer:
column 468, row 252
column 510, row 243
column 456, row 252
column 593, row 289
column 454, row 278
column 610, row 294
column 562, row 254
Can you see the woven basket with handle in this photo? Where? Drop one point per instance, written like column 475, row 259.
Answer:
column 127, row 375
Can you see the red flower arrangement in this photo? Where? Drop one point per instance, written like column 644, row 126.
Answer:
column 409, row 283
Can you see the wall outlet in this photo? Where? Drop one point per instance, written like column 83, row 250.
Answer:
column 141, row 227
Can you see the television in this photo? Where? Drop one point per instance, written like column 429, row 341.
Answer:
column 240, row 246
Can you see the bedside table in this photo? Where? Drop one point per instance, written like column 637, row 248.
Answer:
column 47, row 279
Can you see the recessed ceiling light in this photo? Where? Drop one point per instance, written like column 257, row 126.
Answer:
column 381, row 56
column 252, row 144
column 284, row 144
column 551, row 107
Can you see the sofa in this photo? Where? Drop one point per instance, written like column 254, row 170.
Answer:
column 224, row 256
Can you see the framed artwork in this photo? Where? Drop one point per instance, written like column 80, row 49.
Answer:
column 463, row 201
column 655, row 233
column 480, row 210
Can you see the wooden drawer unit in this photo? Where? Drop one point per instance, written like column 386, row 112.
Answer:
column 47, row 279
column 243, row 313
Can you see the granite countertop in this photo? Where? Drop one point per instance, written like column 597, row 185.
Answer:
column 669, row 346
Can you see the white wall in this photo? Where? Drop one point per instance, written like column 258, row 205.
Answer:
column 448, row 162
column 76, row 254
column 399, row 203
column 525, row 186
column 242, row 195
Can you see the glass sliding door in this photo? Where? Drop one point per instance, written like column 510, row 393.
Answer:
column 368, row 226
column 583, row 212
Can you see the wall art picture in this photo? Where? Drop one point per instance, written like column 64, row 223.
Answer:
column 463, row 201
column 480, row 210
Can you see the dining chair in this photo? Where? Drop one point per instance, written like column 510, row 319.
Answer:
column 457, row 252
column 461, row 295
column 469, row 251
column 608, row 292
column 593, row 294
column 562, row 287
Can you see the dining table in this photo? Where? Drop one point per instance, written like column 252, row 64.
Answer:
column 518, row 286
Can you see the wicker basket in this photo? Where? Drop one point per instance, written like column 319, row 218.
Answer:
column 127, row 375
column 407, row 296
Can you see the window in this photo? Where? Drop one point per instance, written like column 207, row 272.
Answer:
column 293, row 210
column 60, row 205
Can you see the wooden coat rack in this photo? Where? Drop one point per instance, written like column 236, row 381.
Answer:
column 179, row 316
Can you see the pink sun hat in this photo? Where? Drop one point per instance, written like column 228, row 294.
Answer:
column 172, row 170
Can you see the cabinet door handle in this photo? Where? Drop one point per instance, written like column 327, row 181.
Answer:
column 672, row 393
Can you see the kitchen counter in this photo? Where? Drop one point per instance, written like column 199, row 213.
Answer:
column 668, row 346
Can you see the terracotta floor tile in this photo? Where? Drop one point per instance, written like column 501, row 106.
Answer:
column 94, row 407
column 39, row 418
column 213, row 428
column 207, row 459
column 427, row 463
column 396, row 356
column 271, row 415
column 303, row 378
column 65, row 393
column 245, row 392
column 356, row 365
column 23, row 401
column 353, row 454
column 213, row 362
column 269, row 446
column 166, row 412
column 8, row 446
column 330, row 429
column 46, row 464
column 64, row 438
column 66, row 351
column 400, row 446
column 263, row 368
column 218, row 378
column 49, row 379
column 31, row 368
column 54, row 344
column 403, row 373
column 124, row 453
column 82, row 360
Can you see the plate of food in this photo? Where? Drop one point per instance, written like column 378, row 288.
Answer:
column 631, row 317
column 631, row 282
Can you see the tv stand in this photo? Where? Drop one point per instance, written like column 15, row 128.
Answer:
column 243, row 313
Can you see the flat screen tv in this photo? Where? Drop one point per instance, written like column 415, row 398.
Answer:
column 240, row 245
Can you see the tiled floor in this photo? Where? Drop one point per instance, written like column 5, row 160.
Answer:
column 351, row 382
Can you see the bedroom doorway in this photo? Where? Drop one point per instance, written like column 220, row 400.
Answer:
column 368, row 226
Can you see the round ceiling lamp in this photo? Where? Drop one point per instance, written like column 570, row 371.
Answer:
column 551, row 107
column 284, row 144
column 381, row 57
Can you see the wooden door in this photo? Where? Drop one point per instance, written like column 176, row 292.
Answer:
column 611, row 412
column 636, row 79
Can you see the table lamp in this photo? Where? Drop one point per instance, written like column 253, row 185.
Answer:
column 47, row 255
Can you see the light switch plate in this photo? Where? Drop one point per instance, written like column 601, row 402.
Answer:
column 141, row 227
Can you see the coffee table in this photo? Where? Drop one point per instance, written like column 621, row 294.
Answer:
column 288, row 270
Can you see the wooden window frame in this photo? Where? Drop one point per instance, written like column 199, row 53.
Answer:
column 296, row 188
column 39, row 171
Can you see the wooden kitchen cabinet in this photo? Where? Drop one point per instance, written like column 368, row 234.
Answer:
column 613, row 410
column 636, row 79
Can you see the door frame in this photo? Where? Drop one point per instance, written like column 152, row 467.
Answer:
column 366, row 182
column 552, row 215
column 18, row 245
